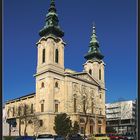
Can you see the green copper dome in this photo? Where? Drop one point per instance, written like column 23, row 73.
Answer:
column 51, row 23
column 94, row 51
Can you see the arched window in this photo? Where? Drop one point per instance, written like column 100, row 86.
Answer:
column 42, row 85
column 32, row 109
column 99, row 129
column 56, row 55
column 82, row 120
column 99, row 74
column 91, row 121
column 13, row 111
column 92, row 107
column 25, row 109
column 91, row 129
column 56, row 84
column 43, row 56
column 84, row 104
column 42, row 107
column 56, row 107
column 19, row 111
column 100, row 96
column 99, row 122
column 74, row 105
column 30, row 122
column 90, row 72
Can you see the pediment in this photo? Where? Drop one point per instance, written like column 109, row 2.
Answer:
column 86, row 77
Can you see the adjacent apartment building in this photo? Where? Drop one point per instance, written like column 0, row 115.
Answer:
column 122, row 116
column 61, row 90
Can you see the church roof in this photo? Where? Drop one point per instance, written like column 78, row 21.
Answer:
column 21, row 97
column 85, row 77
column 51, row 23
column 94, row 51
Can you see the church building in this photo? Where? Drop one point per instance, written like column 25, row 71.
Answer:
column 81, row 95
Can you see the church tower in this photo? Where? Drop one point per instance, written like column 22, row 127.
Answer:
column 50, row 63
column 51, row 45
column 94, row 64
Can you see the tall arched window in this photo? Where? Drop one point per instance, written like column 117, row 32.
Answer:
column 74, row 105
column 42, row 107
column 42, row 85
column 90, row 72
column 99, row 74
column 92, row 107
column 84, row 104
column 19, row 111
column 32, row 109
column 56, row 55
column 13, row 111
column 43, row 56
column 56, row 84
column 56, row 107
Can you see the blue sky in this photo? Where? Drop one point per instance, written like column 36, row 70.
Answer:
column 116, row 22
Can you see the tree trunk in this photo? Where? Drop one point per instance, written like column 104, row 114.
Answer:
column 9, row 129
column 85, row 126
column 19, row 127
column 25, row 134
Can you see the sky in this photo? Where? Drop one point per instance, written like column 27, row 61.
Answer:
column 116, row 29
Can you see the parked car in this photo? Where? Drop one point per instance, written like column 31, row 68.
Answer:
column 45, row 137
column 57, row 137
column 75, row 137
column 100, row 137
column 129, row 137
column 117, row 137
column 49, row 137
column 25, row 138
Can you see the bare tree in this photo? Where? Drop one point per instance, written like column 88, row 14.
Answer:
column 25, row 113
column 37, row 127
column 84, row 103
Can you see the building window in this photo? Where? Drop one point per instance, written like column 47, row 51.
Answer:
column 56, row 55
column 84, row 104
column 90, row 72
column 42, row 107
column 91, row 129
column 32, row 108
column 40, row 123
column 56, row 107
column 74, row 105
column 13, row 111
column 99, row 129
column 82, row 120
column 30, row 122
column 82, row 130
column 43, row 56
column 25, row 109
column 99, row 122
column 56, row 84
column 100, row 96
column 19, row 111
column 92, row 107
column 42, row 85
column 99, row 74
